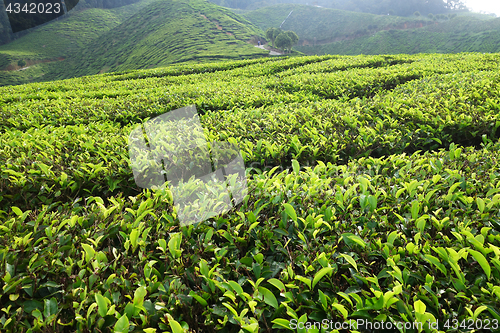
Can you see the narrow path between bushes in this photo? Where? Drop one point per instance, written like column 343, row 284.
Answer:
column 270, row 52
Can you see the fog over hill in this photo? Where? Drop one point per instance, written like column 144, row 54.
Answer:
column 333, row 31
column 379, row 7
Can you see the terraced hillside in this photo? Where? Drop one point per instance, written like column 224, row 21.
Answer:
column 46, row 46
column 167, row 32
column 142, row 35
column 373, row 195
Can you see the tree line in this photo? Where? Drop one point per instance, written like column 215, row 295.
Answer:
column 283, row 40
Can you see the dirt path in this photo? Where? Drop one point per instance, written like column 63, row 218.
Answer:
column 29, row 63
column 270, row 52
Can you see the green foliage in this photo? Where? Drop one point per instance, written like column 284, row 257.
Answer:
column 47, row 53
column 309, row 22
column 99, row 40
column 293, row 36
column 378, row 7
column 183, row 31
column 272, row 34
column 373, row 193
column 463, row 34
column 330, row 31
column 283, row 41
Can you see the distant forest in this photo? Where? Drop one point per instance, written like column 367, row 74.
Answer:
column 379, row 7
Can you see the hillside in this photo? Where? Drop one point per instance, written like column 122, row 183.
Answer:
column 330, row 31
column 461, row 34
column 167, row 32
column 373, row 196
column 141, row 35
column 378, row 7
column 325, row 24
column 44, row 48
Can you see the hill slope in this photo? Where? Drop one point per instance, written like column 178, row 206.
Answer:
column 311, row 22
column 462, row 34
column 331, row 31
column 45, row 46
column 167, row 32
column 157, row 33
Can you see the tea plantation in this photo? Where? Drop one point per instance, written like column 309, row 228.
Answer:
column 374, row 195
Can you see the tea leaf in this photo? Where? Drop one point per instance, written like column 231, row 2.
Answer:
column 50, row 307
column 296, row 166
column 480, row 204
column 122, row 325
column 281, row 324
column 278, row 284
column 342, row 309
column 269, row 298
column 175, row 326
column 290, row 211
column 319, row 275
column 102, row 305
column 482, row 261
column 174, row 244
column 350, row 260
column 89, row 252
column 419, row 307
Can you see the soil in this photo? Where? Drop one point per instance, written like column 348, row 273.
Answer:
column 269, row 48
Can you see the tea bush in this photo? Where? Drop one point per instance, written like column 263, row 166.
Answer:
column 373, row 193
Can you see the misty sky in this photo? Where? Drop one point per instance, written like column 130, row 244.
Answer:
column 492, row 6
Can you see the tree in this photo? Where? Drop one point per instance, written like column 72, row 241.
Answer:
column 293, row 37
column 272, row 33
column 455, row 5
column 417, row 14
column 283, row 41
